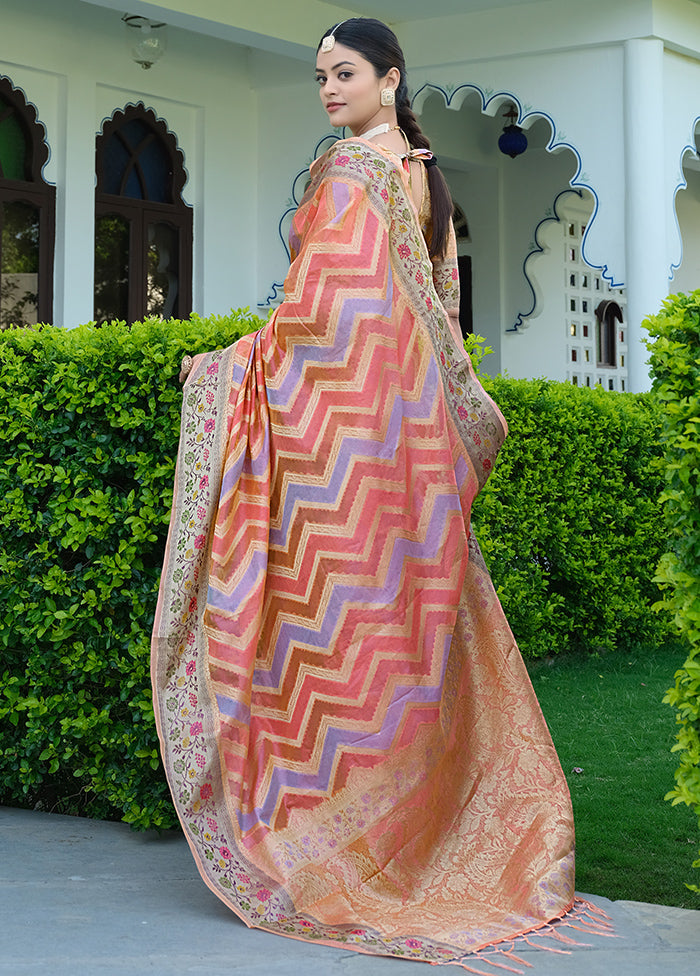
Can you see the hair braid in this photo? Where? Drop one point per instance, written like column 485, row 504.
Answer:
column 441, row 205
column 407, row 120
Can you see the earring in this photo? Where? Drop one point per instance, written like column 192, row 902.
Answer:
column 387, row 96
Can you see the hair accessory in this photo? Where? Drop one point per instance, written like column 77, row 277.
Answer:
column 387, row 96
column 430, row 162
column 328, row 42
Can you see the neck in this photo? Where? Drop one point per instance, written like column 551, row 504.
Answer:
column 383, row 117
column 378, row 130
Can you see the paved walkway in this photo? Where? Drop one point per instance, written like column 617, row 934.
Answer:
column 83, row 897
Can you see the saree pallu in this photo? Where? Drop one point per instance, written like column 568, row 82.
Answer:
column 353, row 746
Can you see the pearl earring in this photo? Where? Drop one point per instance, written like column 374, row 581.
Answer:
column 387, row 96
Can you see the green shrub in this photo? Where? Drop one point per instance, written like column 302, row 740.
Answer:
column 675, row 362
column 89, row 421
column 569, row 522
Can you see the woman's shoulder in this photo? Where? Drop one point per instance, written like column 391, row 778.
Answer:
column 352, row 156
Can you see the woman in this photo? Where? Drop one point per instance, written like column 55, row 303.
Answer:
column 352, row 743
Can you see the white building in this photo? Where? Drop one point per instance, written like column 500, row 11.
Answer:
column 568, row 246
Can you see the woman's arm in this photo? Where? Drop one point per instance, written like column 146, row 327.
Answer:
column 446, row 281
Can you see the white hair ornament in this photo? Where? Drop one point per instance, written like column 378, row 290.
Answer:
column 328, row 42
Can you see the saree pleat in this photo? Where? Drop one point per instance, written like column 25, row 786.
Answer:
column 352, row 742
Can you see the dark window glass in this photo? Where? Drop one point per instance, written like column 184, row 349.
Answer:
column 466, row 311
column 154, row 166
column 19, row 264
column 114, row 163
column 13, row 145
column 111, row 268
column 162, row 270
column 136, row 164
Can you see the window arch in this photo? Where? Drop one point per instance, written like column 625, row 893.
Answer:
column 143, row 227
column 607, row 313
column 27, row 214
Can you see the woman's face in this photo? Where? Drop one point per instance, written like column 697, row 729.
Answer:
column 350, row 89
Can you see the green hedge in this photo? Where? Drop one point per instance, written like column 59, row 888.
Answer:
column 675, row 362
column 88, row 429
column 89, row 421
column 569, row 522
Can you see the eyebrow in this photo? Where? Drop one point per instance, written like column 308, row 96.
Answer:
column 335, row 67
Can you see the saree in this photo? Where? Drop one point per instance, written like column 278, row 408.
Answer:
column 352, row 743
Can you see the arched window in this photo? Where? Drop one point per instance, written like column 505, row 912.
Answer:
column 607, row 313
column 27, row 214
column 143, row 227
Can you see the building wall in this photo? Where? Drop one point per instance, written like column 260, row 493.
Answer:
column 596, row 103
column 477, row 193
column 585, row 117
column 540, row 348
column 681, row 117
column 508, row 203
column 292, row 123
column 686, row 278
column 71, row 62
column 248, row 122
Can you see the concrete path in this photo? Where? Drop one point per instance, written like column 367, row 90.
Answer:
column 84, row 897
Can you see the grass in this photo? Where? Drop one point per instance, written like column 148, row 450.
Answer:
column 608, row 721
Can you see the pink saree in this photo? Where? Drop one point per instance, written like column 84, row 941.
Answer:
column 351, row 739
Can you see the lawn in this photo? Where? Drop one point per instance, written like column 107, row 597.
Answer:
column 609, row 724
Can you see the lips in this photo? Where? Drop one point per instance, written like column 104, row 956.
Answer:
column 332, row 106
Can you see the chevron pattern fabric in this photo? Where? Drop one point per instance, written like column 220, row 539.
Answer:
column 351, row 739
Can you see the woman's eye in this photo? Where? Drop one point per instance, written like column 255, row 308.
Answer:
column 344, row 75
column 320, row 79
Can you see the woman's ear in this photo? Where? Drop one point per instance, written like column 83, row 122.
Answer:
column 392, row 79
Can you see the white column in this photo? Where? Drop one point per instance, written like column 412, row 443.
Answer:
column 645, row 203
column 75, row 205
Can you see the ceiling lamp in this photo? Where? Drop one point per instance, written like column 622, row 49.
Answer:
column 513, row 140
column 145, row 38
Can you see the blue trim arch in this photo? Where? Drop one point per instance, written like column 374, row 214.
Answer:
column 690, row 147
column 490, row 103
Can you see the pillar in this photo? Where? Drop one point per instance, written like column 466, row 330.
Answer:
column 646, row 255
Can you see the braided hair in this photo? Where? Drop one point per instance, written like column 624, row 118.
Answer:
column 378, row 44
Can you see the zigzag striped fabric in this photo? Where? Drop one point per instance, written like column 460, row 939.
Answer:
column 352, row 743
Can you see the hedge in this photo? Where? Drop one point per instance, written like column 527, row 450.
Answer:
column 675, row 362
column 89, row 422
column 569, row 522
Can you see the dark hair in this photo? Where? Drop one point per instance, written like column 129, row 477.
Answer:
column 378, row 44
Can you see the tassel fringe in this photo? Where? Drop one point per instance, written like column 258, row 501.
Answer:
column 582, row 917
